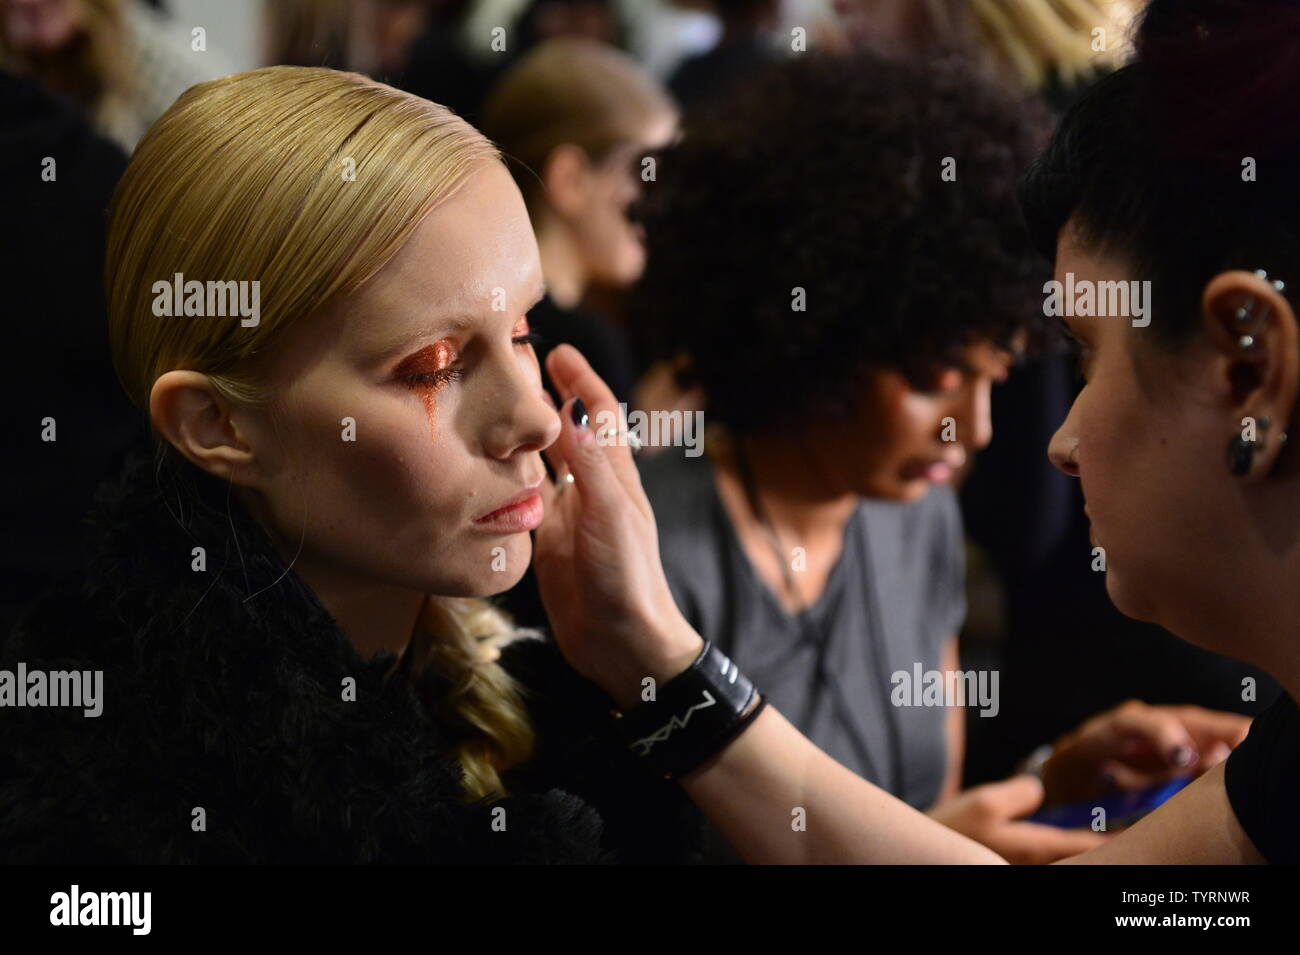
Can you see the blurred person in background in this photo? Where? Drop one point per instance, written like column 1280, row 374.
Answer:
column 373, row 37
column 1022, row 512
column 576, row 118
column 846, row 311
column 745, row 46
column 1049, row 46
column 64, row 417
column 460, row 56
column 120, row 62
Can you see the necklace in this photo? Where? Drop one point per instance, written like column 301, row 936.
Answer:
column 814, row 634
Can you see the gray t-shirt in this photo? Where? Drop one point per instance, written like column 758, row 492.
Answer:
column 894, row 596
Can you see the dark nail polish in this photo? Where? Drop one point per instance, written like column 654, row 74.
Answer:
column 1182, row 756
column 579, row 413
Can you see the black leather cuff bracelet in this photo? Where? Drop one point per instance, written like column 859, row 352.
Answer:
column 693, row 715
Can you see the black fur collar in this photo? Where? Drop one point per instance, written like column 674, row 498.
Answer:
column 223, row 692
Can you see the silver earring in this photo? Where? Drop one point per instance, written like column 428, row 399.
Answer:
column 1247, row 312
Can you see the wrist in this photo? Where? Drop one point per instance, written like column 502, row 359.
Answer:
column 669, row 653
column 692, row 717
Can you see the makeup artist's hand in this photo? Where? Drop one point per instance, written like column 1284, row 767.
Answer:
column 992, row 814
column 1136, row 745
column 597, row 552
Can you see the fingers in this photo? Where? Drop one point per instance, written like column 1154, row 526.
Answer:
column 1150, row 739
column 1014, row 797
column 1000, row 804
column 595, row 481
column 1211, row 727
column 1154, row 741
column 1117, row 776
column 1212, row 755
column 1036, row 844
column 573, row 376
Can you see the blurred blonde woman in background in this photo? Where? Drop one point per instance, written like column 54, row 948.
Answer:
column 1039, row 45
column 575, row 119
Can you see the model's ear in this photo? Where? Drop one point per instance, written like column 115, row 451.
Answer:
column 195, row 418
column 1252, row 330
column 566, row 176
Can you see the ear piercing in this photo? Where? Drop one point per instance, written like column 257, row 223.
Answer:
column 1241, row 453
column 1247, row 312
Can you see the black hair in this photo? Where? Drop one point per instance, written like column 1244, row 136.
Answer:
column 826, row 174
column 1152, row 165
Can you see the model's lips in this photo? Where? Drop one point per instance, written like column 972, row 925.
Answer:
column 522, row 512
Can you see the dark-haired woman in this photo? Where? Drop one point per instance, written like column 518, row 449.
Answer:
column 847, row 358
column 1179, row 439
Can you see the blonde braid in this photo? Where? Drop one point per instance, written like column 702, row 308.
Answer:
column 455, row 648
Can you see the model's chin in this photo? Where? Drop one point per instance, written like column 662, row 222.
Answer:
column 508, row 558
column 494, row 566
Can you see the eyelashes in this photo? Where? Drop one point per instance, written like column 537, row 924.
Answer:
column 436, row 379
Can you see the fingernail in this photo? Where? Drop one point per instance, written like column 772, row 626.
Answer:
column 1109, row 781
column 578, row 413
column 1181, row 755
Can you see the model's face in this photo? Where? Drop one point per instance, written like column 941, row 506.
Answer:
column 905, row 440
column 411, row 410
column 1148, row 455
column 610, row 243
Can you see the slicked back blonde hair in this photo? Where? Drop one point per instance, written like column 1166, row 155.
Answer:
column 309, row 181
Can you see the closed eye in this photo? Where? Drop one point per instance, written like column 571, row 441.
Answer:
column 1082, row 354
column 436, row 379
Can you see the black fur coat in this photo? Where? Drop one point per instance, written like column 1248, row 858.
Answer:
column 237, row 707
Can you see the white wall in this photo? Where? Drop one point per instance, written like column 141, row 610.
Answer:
column 231, row 25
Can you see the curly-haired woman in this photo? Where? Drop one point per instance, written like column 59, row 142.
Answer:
column 846, row 302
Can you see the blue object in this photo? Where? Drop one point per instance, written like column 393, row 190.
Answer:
column 1122, row 808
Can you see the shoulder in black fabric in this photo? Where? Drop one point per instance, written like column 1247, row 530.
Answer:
column 225, row 735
